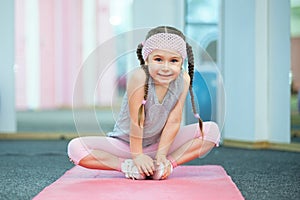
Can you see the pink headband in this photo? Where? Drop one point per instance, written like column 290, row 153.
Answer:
column 164, row 41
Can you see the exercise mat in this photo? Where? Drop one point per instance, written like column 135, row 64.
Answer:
column 186, row 182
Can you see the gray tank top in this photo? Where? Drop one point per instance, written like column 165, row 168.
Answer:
column 156, row 113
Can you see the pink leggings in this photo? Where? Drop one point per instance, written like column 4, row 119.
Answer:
column 80, row 147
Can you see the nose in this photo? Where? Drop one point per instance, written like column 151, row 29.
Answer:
column 165, row 66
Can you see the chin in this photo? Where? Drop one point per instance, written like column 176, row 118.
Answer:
column 164, row 82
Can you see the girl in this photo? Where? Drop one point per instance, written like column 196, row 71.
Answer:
column 147, row 140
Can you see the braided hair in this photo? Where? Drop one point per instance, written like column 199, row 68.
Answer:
column 190, row 57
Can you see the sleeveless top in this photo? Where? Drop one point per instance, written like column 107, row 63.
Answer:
column 156, row 113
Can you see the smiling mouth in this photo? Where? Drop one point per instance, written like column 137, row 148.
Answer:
column 165, row 75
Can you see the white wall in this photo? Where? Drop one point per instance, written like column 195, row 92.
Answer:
column 255, row 61
column 279, row 68
column 7, row 90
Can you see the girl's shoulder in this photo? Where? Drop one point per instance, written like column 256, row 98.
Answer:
column 186, row 78
column 136, row 78
column 137, row 75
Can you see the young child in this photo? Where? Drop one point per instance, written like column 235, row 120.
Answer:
column 147, row 140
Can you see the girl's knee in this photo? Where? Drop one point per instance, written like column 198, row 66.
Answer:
column 212, row 132
column 211, row 127
column 76, row 150
column 73, row 144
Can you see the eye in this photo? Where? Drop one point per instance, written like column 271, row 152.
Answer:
column 174, row 60
column 158, row 59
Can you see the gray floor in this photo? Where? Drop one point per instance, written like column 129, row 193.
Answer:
column 29, row 166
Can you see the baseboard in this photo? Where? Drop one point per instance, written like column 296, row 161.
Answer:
column 42, row 136
column 294, row 147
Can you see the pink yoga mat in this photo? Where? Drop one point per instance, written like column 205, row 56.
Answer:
column 186, row 182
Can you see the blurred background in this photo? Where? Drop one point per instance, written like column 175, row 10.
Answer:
column 54, row 38
column 237, row 80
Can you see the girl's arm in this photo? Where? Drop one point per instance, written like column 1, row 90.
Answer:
column 173, row 124
column 135, row 92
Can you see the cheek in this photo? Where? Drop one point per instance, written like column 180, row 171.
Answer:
column 177, row 70
column 152, row 71
column 153, row 68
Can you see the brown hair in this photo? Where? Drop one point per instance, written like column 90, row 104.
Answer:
column 190, row 57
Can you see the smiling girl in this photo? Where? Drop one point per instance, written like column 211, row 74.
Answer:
column 148, row 140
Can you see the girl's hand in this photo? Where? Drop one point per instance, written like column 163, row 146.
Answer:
column 162, row 159
column 144, row 164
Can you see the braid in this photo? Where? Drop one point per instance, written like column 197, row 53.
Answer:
column 146, row 86
column 190, row 56
column 141, row 113
column 139, row 54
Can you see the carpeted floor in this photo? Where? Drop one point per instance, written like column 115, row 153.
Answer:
column 29, row 166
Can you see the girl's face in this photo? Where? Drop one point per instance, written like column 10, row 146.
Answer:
column 164, row 66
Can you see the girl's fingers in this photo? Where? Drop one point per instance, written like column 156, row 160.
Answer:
column 150, row 168
column 167, row 171
column 141, row 171
column 146, row 171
